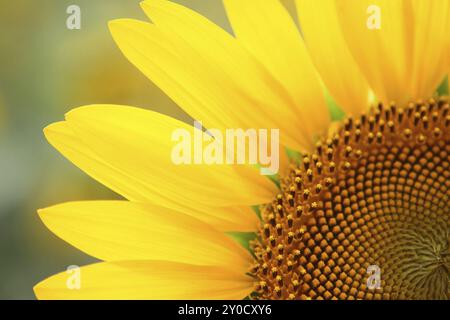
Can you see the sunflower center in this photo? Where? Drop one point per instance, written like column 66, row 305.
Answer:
column 375, row 196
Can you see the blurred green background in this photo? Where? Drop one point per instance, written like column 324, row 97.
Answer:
column 46, row 70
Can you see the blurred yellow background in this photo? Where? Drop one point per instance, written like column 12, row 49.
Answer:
column 46, row 70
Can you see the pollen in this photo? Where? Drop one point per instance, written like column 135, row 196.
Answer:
column 375, row 196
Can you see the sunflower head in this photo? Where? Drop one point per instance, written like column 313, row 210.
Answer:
column 375, row 194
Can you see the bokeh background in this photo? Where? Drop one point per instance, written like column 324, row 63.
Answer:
column 46, row 70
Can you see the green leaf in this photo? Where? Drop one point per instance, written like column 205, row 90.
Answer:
column 243, row 238
column 335, row 111
column 294, row 155
column 257, row 211
column 443, row 87
column 274, row 178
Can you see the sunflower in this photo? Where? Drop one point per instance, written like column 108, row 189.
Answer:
column 369, row 191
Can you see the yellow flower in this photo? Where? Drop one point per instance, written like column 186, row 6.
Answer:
column 373, row 195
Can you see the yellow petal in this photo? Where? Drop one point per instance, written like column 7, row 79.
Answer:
column 236, row 218
column 138, row 144
column 331, row 56
column 205, row 71
column 123, row 230
column 62, row 137
column 431, row 38
column 152, row 280
column 448, row 45
column 267, row 30
column 402, row 60
column 380, row 53
column 448, row 53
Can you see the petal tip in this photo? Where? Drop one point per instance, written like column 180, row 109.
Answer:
column 112, row 24
column 48, row 129
column 144, row 4
column 54, row 129
column 80, row 111
column 150, row 3
column 37, row 289
column 43, row 215
column 118, row 25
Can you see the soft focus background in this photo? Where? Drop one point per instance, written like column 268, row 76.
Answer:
column 46, row 70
